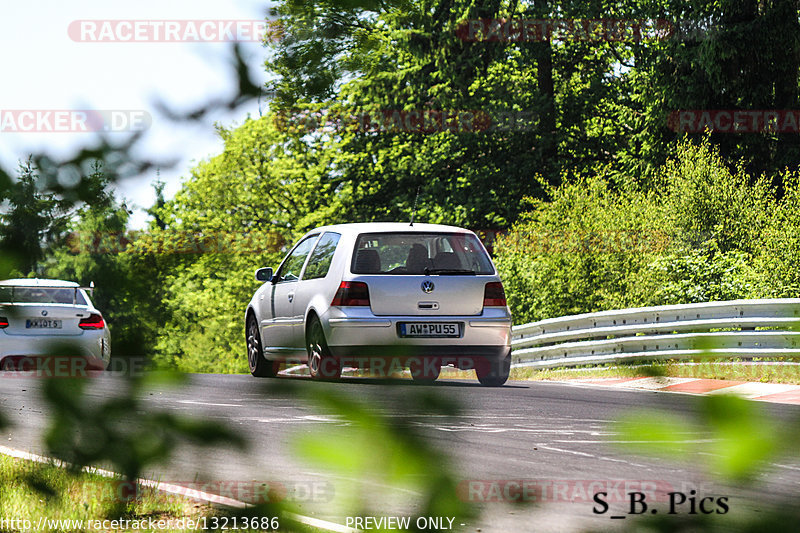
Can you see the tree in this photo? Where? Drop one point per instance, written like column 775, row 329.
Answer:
column 730, row 55
column 408, row 57
column 576, row 102
column 236, row 212
column 34, row 219
column 99, row 249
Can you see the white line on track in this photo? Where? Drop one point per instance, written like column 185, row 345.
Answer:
column 786, row 466
column 193, row 402
column 292, row 419
column 621, row 461
column 495, row 429
column 778, row 465
column 692, row 441
column 573, row 452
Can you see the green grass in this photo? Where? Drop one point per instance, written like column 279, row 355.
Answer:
column 709, row 369
column 34, row 492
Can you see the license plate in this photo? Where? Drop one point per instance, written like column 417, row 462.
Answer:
column 429, row 329
column 43, row 323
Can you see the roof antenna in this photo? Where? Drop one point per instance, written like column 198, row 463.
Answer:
column 414, row 211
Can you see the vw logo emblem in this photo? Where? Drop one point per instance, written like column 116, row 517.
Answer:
column 427, row 286
column 44, row 313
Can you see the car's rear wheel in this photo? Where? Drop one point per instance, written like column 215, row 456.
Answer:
column 321, row 363
column 494, row 373
column 259, row 366
column 424, row 373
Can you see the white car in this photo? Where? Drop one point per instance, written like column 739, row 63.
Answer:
column 382, row 296
column 42, row 319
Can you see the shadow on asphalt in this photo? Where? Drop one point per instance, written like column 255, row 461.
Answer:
column 401, row 382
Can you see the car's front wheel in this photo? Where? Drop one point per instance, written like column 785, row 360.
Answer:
column 259, row 366
column 321, row 363
column 494, row 373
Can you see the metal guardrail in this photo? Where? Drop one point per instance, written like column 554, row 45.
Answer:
column 737, row 328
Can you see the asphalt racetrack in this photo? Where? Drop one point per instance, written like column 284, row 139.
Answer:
column 555, row 437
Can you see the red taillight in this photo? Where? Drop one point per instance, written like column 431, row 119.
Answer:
column 3, row 322
column 94, row 321
column 351, row 293
column 494, row 295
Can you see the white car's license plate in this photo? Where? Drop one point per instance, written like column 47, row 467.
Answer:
column 43, row 323
column 429, row 329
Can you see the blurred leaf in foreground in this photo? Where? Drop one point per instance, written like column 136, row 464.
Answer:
column 740, row 437
column 385, row 455
column 121, row 429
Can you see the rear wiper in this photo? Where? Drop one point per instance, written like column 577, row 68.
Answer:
column 450, row 271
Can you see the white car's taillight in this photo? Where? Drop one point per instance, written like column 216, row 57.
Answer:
column 351, row 293
column 93, row 321
column 3, row 322
column 494, row 295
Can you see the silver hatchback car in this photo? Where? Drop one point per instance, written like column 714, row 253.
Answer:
column 382, row 297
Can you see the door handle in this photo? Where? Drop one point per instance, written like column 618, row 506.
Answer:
column 290, row 296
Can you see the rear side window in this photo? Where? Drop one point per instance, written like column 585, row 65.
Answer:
column 41, row 295
column 420, row 253
column 322, row 256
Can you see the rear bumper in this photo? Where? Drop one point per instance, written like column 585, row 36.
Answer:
column 91, row 345
column 360, row 333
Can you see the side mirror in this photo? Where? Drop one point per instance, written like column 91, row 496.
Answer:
column 264, row 274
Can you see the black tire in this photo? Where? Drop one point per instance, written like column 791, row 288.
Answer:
column 321, row 363
column 494, row 373
column 259, row 366
column 424, row 373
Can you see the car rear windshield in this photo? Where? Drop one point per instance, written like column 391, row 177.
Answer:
column 41, row 295
column 420, row 253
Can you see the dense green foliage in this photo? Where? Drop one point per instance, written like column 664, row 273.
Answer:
column 703, row 232
column 234, row 214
